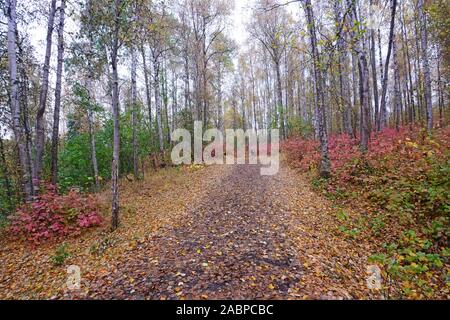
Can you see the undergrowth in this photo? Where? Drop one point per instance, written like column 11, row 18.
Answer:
column 52, row 215
column 401, row 186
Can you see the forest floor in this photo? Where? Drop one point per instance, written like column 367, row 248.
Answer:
column 217, row 232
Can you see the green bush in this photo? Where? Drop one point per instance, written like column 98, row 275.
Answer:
column 61, row 255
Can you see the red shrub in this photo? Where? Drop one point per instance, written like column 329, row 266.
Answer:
column 302, row 153
column 388, row 150
column 52, row 215
column 305, row 153
column 341, row 150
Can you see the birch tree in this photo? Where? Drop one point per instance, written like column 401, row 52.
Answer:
column 425, row 64
column 359, row 48
column 382, row 120
column 56, row 112
column 40, row 120
column 325, row 166
column 27, row 185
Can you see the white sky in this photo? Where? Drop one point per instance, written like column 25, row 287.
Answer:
column 241, row 15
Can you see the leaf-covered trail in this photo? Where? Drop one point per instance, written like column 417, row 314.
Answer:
column 248, row 237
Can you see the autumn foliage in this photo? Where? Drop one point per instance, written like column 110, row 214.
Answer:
column 401, row 187
column 393, row 155
column 404, row 169
column 54, row 216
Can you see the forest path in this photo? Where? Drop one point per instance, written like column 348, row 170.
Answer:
column 250, row 237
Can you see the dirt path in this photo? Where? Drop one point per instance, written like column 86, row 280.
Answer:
column 250, row 237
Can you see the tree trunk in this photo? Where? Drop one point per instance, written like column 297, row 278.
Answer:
column 325, row 166
column 425, row 64
column 90, row 114
column 383, row 116
column 147, row 87
column 27, row 185
column 90, row 110
column 255, row 125
column 397, row 93
column 158, row 103
column 205, row 97
column 116, row 115
column 174, row 108
column 380, row 65
column 134, row 112
column 374, row 74
column 242, row 97
column 187, row 95
column 166, row 101
column 23, row 94
column 343, row 74
column 418, row 73
column 219, row 98
column 363, row 69
column 355, row 84
column 40, row 121
column 59, row 70
column 408, row 71
column 440, row 90
column 279, row 106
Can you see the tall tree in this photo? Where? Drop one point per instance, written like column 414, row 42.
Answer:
column 148, row 94
column 110, row 22
column 56, row 112
column 325, row 166
column 91, row 92
column 359, row 48
column 114, row 50
column 158, row 35
column 374, row 71
column 271, row 28
column 27, row 185
column 425, row 64
column 397, row 92
column 207, row 25
column 382, row 120
column 40, row 120
column 134, row 111
column 343, row 62
column 156, row 62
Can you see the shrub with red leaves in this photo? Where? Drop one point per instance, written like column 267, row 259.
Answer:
column 302, row 153
column 403, row 169
column 342, row 149
column 53, row 216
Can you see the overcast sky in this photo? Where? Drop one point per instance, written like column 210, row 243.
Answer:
column 241, row 15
